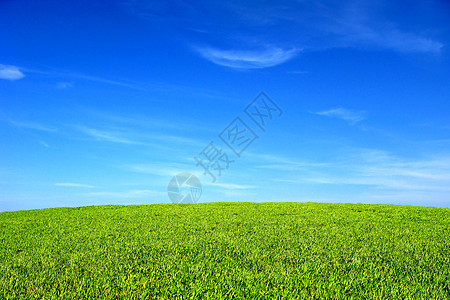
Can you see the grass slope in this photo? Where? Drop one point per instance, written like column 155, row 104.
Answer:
column 226, row 250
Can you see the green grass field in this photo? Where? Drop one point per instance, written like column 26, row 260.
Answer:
column 226, row 250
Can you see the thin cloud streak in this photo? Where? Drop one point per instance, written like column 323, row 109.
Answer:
column 107, row 136
column 60, row 85
column 240, row 59
column 74, row 185
column 147, row 123
column 373, row 168
column 128, row 194
column 229, row 186
column 312, row 25
column 64, row 85
column 162, row 169
column 400, row 41
column 12, row 73
column 350, row 116
column 44, row 144
column 30, row 125
column 136, row 136
column 358, row 24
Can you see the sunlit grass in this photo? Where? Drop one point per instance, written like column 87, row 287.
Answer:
column 226, row 250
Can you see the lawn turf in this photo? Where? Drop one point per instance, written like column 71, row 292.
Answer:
column 225, row 251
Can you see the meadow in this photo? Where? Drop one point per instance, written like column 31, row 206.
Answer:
column 226, row 251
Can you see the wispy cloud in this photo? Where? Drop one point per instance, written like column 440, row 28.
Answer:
column 280, row 163
column 229, row 186
column 129, row 194
column 73, row 185
column 108, row 136
column 242, row 59
column 31, row 125
column 148, row 123
column 350, row 116
column 166, row 170
column 64, row 85
column 10, row 72
column 298, row 72
column 358, row 25
column 137, row 136
column 397, row 40
column 128, row 84
column 309, row 25
column 44, row 144
column 70, row 76
column 373, row 168
column 162, row 169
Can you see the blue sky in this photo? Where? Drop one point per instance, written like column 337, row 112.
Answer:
column 103, row 102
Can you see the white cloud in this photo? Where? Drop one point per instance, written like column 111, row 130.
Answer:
column 77, row 76
column 352, row 117
column 136, row 136
column 162, row 169
column 108, row 136
column 64, row 85
column 298, row 72
column 129, row 194
column 312, row 25
column 242, row 59
column 31, row 125
column 74, row 185
column 10, row 72
column 374, row 169
column 44, row 144
column 149, row 124
column 357, row 33
column 408, row 42
column 229, row 186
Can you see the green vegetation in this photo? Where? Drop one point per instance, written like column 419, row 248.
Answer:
column 226, row 250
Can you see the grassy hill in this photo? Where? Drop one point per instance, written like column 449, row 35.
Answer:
column 226, row 250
